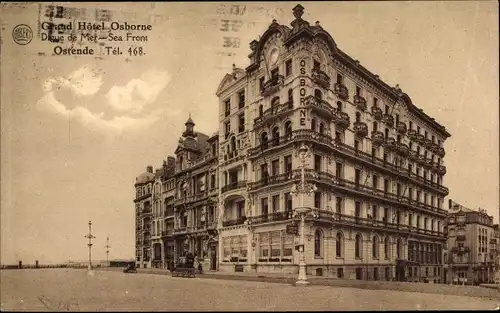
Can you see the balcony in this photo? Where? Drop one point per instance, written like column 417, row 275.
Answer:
column 321, row 106
column 421, row 159
column 402, row 149
column 179, row 230
column 420, row 139
column 274, row 112
column 238, row 221
column 460, row 249
column 428, row 163
column 270, row 180
column 341, row 91
column 434, row 148
column 401, row 128
column 234, row 185
column 377, row 113
column 360, row 102
column 441, row 152
column 390, row 143
column 272, row 85
column 413, row 155
column 389, row 120
column 166, row 233
column 412, row 134
column 377, row 137
column 147, row 212
column 428, row 143
column 270, row 217
column 342, row 120
column 320, row 78
column 361, row 129
column 441, row 169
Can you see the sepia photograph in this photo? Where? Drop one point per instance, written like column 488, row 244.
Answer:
column 249, row 156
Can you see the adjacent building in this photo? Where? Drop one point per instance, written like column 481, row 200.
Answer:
column 375, row 158
column 473, row 245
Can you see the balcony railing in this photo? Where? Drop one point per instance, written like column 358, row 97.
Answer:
column 377, row 137
column 234, row 185
column 179, row 230
column 320, row 78
column 360, row 102
column 412, row 134
column 341, row 91
column 271, row 180
column 274, row 112
column 420, row 139
column 342, row 119
column 402, row 149
column 270, row 217
column 238, row 221
column 272, row 85
column 361, row 129
column 390, row 143
column 389, row 120
column 428, row 163
column 377, row 113
column 441, row 152
column 441, row 169
column 168, row 232
column 401, row 127
column 434, row 148
column 428, row 143
column 321, row 105
column 147, row 212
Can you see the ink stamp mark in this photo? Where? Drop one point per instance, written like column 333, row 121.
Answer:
column 22, row 34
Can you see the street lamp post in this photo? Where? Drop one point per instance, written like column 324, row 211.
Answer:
column 107, row 246
column 301, row 211
column 90, row 237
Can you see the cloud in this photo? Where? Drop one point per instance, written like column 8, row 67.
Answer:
column 86, row 82
column 138, row 93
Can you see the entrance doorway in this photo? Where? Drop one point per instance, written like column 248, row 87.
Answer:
column 213, row 259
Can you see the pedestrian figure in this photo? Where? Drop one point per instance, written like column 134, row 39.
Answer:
column 200, row 268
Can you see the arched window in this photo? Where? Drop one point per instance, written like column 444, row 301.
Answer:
column 386, row 132
column 317, row 243
column 386, row 247
column 276, row 136
column 358, row 246
column 233, row 144
column 275, row 102
column 339, row 106
column 313, row 124
column 288, row 129
column 261, row 110
column 339, row 244
column 321, row 128
column 375, row 247
column 263, row 140
column 399, row 248
column 358, row 117
column 318, row 94
column 375, row 126
column 290, row 97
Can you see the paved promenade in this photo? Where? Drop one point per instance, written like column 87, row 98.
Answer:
column 471, row 291
column 79, row 290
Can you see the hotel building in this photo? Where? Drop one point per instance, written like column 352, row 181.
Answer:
column 376, row 159
column 472, row 252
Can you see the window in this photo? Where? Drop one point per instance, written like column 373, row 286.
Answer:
column 317, row 163
column 313, row 124
column 358, row 91
column 290, row 96
column 358, row 246
column 288, row 164
column 288, row 67
column 375, row 247
column 261, row 110
column 261, row 83
column 339, row 245
column 410, row 125
column 227, row 128
column 357, row 209
column 275, row 167
column 375, row 212
column 375, row 102
column 410, row 219
column 375, row 126
column 386, row 248
column 386, row 133
column 321, row 128
column 386, row 109
column 338, row 204
column 357, row 176
column 397, row 119
column 375, row 182
column 318, row 94
column 317, row 243
column 317, row 199
column 399, row 249
column 241, row 99
column 317, row 65
column 358, row 117
column 288, row 202
column 340, row 272
column 386, row 214
column 276, row 203
column 227, row 107
column 339, row 106
column 338, row 170
column 340, row 79
column 241, row 122
column 386, row 185
column 264, row 206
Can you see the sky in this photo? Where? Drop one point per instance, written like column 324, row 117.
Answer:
column 77, row 130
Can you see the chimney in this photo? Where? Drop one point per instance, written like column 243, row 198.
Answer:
column 149, row 169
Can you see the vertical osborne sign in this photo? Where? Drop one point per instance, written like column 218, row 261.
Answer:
column 302, row 92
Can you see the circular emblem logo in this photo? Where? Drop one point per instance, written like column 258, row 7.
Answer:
column 22, row 34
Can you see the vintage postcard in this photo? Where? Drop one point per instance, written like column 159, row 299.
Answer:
column 249, row 156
